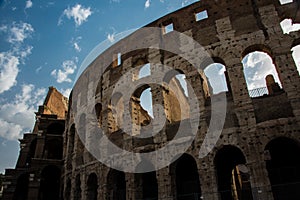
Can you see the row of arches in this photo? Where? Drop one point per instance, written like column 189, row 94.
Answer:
column 260, row 73
column 232, row 173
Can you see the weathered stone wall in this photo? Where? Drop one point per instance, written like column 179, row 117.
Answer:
column 232, row 30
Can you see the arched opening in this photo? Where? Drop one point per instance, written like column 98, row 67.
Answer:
column 68, row 190
column 176, row 104
column 92, row 187
column 146, row 183
column 80, row 140
column 21, row 191
column 50, row 183
column 232, row 174
column 71, row 140
column 116, row 107
column 31, row 152
column 55, row 129
column 116, row 185
column 54, row 149
column 142, row 108
column 98, row 110
column 260, row 74
column 187, row 184
column 217, row 78
column 283, row 164
column 296, row 56
column 77, row 191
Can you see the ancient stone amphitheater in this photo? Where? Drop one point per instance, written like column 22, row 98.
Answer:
column 255, row 157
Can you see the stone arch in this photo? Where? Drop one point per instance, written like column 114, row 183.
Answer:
column 185, row 178
column 55, row 129
column 176, row 95
column 283, row 164
column 92, row 187
column 80, row 140
column 146, row 183
column 67, row 195
column 77, row 191
column 230, row 164
column 21, row 191
column 116, row 185
column 264, row 62
column 50, row 183
column 215, row 68
column 98, row 110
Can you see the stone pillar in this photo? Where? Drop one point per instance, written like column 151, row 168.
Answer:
column 242, row 101
column 164, row 183
column 208, row 179
column 130, row 186
column 288, row 74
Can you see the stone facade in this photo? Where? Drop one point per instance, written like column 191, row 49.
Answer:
column 257, row 154
column 38, row 169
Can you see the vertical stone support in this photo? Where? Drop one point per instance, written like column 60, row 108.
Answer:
column 260, row 184
column 290, row 80
column 83, row 186
column 242, row 101
column 130, row 186
column 164, row 183
column 154, row 57
column 208, row 179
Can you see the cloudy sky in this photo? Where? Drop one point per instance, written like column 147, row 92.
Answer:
column 43, row 43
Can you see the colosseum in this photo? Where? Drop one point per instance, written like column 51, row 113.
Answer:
column 242, row 144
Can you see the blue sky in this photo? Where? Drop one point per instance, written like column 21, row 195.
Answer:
column 43, row 43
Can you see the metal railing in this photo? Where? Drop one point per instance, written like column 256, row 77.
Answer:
column 258, row 92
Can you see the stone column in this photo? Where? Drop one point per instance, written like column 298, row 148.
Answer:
column 164, row 183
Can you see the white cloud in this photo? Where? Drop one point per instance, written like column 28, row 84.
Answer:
column 147, row 4
column 68, row 68
column 111, row 37
column 77, row 47
column 17, row 116
column 257, row 66
column 75, row 43
column 10, row 60
column 18, row 32
column 78, row 13
column 288, row 26
column 29, row 4
column 8, row 71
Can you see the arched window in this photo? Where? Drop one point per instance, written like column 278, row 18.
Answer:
column 21, row 191
column 50, row 183
column 92, row 187
column 68, row 190
column 146, row 183
column 55, row 129
column 116, row 185
column 144, row 71
column 77, row 191
column 216, row 76
column 283, row 164
column 186, row 178
column 230, row 166
column 260, row 74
